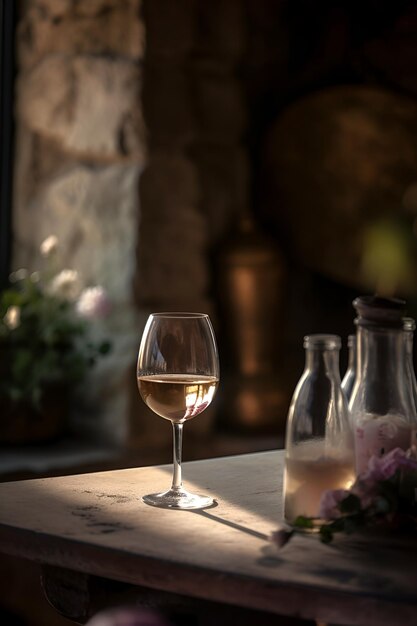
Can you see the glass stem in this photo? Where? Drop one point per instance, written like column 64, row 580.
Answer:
column 177, row 478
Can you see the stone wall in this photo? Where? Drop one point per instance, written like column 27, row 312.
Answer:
column 195, row 116
column 82, row 84
column 195, row 181
column 80, row 147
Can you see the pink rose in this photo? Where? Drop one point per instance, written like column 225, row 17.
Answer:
column 395, row 460
column 382, row 468
column 93, row 303
column 379, row 469
column 329, row 503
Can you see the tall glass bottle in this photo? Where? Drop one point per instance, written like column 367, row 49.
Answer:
column 319, row 447
column 382, row 407
column 348, row 381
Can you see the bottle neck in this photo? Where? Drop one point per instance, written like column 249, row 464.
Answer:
column 352, row 356
column 322, row 360
column 382, row 384
column 408, row 335
column 381, row 353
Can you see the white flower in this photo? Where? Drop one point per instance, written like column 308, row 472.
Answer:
column 64, row 285
column 20, row 274
column 93, row 303
column 12, row 317
column 49, row 246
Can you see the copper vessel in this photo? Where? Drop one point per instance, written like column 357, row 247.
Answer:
column 251, row 281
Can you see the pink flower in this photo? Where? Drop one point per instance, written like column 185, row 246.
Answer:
column 128, row 617
column 380, row 469
column 93, row 303
column 384, row 467
column 329, row 503
column 396, row 460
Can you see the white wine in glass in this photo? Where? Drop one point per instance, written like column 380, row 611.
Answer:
column 178, row 374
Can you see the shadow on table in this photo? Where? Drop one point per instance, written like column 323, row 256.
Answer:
column 254, row 485
column 221, row 520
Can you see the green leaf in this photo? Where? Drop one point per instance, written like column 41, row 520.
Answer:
column 104, row 347
column 51, row 344
column 338, row 525
column 304, row 522
column 326, row 533
column 382, row 505
column 351, row 524
column 350, row 504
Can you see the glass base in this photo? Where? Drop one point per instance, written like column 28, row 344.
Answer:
column 178, row 499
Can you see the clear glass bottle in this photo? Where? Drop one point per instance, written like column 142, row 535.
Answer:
column 382, row 407
column 348, row 381
column 409, row 326
column 319, row 446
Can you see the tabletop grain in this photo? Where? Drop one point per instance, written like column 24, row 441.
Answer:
column 97, row 523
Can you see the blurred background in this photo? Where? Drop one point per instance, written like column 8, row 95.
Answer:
column 252, row 159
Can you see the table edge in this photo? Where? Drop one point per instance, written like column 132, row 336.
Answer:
column 296, row 600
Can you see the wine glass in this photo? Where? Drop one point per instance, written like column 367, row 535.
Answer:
column 178, row 374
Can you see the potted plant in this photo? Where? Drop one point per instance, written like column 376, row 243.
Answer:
column 45, row 348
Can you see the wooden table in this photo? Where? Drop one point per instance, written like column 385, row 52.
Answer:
column 96, row 524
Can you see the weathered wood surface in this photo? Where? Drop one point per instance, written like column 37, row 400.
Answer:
column 96, row 523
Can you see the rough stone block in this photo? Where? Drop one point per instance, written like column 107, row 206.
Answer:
column 94, row 213
column 89, row 105
column 101, row 409
column 167, row 102
column 170, row 28
column 169, row 272
column 79, row 101
column 221, row 31
column 99, row 27
column 172, row 262
column 168, row 183
column 224, row 179
column 220, row 107
column 97, row 7
column 38, row 161
column 51, row 9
